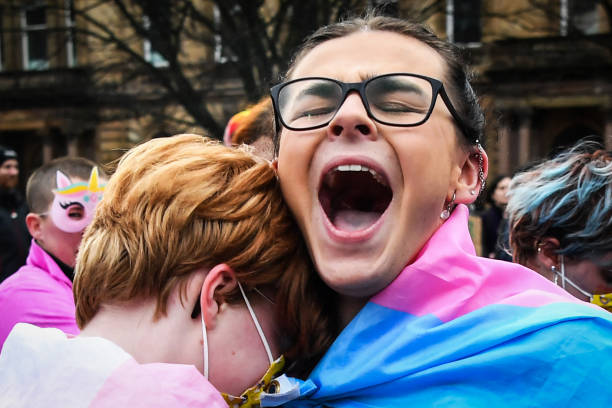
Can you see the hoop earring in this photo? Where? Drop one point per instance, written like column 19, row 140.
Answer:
column 445, row 214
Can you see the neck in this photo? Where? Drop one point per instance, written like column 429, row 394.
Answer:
column 131, row 327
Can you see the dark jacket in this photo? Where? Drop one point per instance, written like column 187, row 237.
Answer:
column 14, row 235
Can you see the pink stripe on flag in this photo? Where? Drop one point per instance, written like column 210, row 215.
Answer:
column 448, row 280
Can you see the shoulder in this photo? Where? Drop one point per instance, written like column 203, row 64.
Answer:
column 32, row 296
column 28, row 281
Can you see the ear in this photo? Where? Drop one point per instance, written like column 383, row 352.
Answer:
column 469, row 181
column 62, row 180
column 220, row 281
column 546, row 256
column 33, row 222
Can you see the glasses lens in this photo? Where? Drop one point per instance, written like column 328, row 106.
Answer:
column 309, row 102
column 399, row 99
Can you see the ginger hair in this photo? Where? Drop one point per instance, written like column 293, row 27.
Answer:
column 184, row 202
column 258, row 123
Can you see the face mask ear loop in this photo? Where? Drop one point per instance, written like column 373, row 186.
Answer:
column 257, row 325
column 562, row 272
column 578, row 288
column 205, row 342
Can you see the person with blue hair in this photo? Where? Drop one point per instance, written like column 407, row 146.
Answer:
column 560, row 214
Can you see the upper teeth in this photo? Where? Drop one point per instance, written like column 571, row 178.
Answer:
column 359, row 167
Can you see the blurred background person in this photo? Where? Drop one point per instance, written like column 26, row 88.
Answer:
column 14, row 237
column 254, row 127
column 62, row 196
column 493, row 221
column 560, row 213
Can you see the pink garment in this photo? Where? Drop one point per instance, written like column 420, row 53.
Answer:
column 38, row 293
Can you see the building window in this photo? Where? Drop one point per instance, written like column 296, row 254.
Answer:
column 34, row 37
column 579, row 16
column 69, row 21
column 463, row 21
column 151, row 55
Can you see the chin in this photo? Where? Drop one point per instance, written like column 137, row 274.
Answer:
column 353, row 280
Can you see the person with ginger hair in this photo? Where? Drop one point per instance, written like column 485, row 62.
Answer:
column 191, row 278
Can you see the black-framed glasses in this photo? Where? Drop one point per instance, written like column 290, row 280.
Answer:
column 397, row 99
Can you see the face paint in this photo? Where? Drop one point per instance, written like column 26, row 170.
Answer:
column 74, row 204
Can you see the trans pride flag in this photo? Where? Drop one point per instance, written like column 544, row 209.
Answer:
column 458, row 330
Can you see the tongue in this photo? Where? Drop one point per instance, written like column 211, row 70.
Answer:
column 353, row 220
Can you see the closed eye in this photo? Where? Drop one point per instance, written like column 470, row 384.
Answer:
column 398, row 108
column 68, row 204
column 316, row 112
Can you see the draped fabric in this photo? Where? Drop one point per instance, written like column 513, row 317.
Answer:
column 455, row 329
column 43, row 367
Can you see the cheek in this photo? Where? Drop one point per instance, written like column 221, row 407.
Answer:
column 294, row 157
column 426, row 170
column 289, row 157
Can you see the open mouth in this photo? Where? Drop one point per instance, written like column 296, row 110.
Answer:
column 354, row 196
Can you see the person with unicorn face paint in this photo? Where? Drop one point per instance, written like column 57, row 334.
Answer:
column 190, row 288
column 62, row 196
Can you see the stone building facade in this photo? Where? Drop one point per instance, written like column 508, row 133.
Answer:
column 544, row 73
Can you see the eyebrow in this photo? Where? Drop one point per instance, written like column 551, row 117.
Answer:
column 319, row 88
column 395, row 84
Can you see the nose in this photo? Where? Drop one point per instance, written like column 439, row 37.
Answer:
column 352, row 119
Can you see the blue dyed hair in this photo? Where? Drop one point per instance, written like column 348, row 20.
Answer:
column 568, row 198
